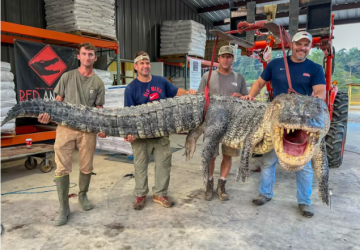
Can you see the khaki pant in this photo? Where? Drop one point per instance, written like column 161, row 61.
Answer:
column 142, row 149
column 66, row 140
column 233, row 152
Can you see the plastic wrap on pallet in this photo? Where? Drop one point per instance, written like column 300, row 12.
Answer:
column 7, row 85
column 7, row 76
column 5, row 66
column 114, row 98
column 114, row 144
column 9, row 127
column 93, row 16
column 183, row 37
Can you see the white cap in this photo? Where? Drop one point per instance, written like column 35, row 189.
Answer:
column 301, row 35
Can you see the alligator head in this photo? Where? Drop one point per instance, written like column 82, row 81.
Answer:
column 297, row 126
column 40, row 67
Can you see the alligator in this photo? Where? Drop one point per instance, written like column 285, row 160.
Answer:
column 40, row 66
column 292, row 125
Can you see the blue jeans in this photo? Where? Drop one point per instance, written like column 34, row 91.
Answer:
column 304, row 179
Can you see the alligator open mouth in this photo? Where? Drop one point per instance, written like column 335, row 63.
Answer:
column 295, row 142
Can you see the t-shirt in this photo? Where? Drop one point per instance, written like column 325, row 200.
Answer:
column 137, row 92
column 224, row 84
column 303, row 76
column 78, row 89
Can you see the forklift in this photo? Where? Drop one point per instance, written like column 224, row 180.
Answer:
column 254, row 38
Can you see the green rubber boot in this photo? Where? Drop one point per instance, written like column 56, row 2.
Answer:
column 62, row 185
column 84, row 182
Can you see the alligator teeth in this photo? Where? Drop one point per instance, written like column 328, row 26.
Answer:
column 311, row 134
column 293, row 130
column 288, row 131
column 307, row 132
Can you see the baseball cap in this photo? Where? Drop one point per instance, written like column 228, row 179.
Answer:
column 301, row 35
column 226, row 50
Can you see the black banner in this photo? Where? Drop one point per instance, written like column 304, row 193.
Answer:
column 39, row 67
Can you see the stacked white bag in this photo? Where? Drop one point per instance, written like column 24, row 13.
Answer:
column 94, row 16
column 114, row 98
column 183, row 37
column 8, row 96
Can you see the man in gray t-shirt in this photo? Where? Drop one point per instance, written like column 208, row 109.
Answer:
column 223, row 82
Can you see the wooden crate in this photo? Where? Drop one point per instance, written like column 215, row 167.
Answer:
column 210, row 46
column 92, row 35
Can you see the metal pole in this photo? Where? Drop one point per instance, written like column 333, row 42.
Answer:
column 118, row 67
column 186, row 71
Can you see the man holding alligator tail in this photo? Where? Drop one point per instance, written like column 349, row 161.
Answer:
column 307, row 77
column 79, row 86
column 148, row 88
column 224, row 82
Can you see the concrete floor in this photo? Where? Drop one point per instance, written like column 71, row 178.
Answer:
column 192, row 223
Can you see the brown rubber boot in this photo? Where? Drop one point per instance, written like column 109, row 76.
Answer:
column 221, row 190
column 139, row 203
column 209, row 192
column 163, row 201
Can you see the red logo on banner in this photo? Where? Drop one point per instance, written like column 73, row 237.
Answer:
column 48, row 65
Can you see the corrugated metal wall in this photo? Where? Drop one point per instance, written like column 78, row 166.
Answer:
column 28, row 12
column 138, row 23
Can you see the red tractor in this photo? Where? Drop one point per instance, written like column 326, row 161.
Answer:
column 279, row 39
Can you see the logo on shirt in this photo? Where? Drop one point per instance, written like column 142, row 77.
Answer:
column 153, row 96
column 234, row 83
column 282, row 68
column 306, row 74
column 91, row 91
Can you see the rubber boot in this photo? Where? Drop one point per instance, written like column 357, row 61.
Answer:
column 62, row 185
column 84, row 182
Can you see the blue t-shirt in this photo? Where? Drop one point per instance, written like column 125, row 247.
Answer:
column 137, row 93
column 303, row 76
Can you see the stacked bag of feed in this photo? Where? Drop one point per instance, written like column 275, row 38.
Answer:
column 105, row 76
column 114, row 98
column 8, row 96
column 93, row 16
column 183, row 37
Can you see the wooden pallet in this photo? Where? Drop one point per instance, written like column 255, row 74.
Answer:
column 92, row 35
column 179, row 56
column 8, row 135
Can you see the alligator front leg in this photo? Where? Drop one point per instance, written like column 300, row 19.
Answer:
column 191, row 139
column 321, row 168
column 243, row 169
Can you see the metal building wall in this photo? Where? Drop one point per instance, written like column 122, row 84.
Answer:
column 139, row 23
column 28, row 12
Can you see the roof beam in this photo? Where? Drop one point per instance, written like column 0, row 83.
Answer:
column 227, row 6
column 260, row 15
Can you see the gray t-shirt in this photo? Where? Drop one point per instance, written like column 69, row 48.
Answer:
column 224, row 84
column 78, row 89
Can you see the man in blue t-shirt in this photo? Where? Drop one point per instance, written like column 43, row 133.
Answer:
column 307, row 77
column 148, row 88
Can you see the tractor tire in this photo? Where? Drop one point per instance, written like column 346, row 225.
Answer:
column 341, row 106
column 335, row 143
